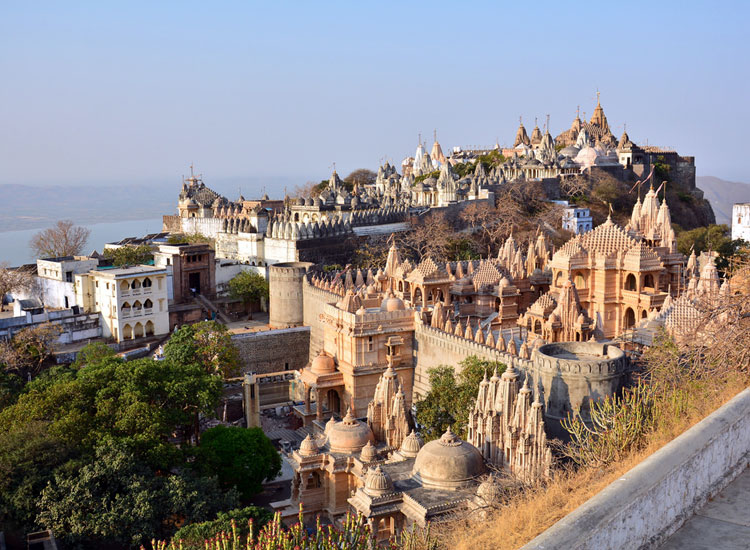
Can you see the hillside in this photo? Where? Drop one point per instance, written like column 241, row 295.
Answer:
column 722, row 194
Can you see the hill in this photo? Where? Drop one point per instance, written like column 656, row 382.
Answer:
column 722, row 194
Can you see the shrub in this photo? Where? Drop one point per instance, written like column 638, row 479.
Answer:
column 193, row 536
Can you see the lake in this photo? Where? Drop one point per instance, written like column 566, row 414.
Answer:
column 14, row 245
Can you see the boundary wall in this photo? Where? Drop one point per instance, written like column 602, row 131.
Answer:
column 650, row 502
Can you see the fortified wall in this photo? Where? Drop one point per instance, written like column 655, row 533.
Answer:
column 273, row 350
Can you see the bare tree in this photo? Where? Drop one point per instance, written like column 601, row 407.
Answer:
column 63, row 239
column 29, row 348
column 428, row 237
column 12, row 280
column 308, row 189
column 361, row 176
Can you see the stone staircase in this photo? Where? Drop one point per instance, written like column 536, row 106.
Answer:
column 211, row 307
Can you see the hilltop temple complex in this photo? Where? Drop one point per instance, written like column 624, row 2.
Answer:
column 551, row 318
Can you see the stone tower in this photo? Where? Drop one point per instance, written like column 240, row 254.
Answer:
column 285, row 293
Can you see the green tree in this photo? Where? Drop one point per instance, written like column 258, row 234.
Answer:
column 194, row 535
column 248, row 287
column 241, row 457
column 129, row 255
column 207, row 344
column 29, row 454
column 10, row 387
column 452, row 396
column 141, row 403
column 117, row 498
column 189, row 238
column 360, row 176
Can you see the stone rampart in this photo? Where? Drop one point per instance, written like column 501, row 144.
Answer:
column 650, row 502
column 273, row 350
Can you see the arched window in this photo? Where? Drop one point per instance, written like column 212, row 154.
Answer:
column 537, row 327
column 148, row 304
column 648, row 281
column 124, row 286
column 136, row 284
column 138, row 330
column 137, row 307
column 630, row 282
column 127, row 332
column 629, row 318
column 558, row 279
column 146, row 282
column 150, row 328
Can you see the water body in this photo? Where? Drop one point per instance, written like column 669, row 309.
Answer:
column 14, row 245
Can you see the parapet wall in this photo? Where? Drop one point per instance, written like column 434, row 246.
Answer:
column 649, row 503
column 434, row 347
column 314, row 300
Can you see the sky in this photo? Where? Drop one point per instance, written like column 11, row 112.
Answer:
column 99, row 92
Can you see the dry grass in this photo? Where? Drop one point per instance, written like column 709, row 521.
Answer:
column 528, row 513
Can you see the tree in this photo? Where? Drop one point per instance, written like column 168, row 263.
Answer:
column 241, row 457
column 117, row 498
column 11, row 280
column 141, row 403
column 189, row 238
column 129, row 255
column 28, row 350
column 428, row 237
column 29, row 454
column 360, row 176
column 372, row 254
column 248, row 287
column 452, row 396
column 63, row 239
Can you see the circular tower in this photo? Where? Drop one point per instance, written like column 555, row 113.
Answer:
column 285, row 293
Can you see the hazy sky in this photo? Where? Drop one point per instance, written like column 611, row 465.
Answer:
column 111, row 91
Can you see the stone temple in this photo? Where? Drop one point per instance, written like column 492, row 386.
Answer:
column 553, row 318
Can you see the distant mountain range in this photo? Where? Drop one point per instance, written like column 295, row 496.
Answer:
column 722, row 195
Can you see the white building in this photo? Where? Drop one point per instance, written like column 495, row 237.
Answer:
column 741, row 221
column 54, row 280
column 132, row 301
column 577, row 220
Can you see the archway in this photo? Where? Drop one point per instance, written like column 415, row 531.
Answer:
column 630, row 282
column 149, row 328
column 418, row 296
column 127, row 332
column 138, row 331
column 146, row 283
column 644, row 314
column 558, row 279
column 537, row 327
column 334, row 401
column 124, row 286
column 629, row 318
column 148, row 304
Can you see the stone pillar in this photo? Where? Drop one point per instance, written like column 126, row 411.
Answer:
column 307, row 398
column 318, row 405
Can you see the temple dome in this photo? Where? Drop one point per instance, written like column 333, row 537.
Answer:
column 349, row 436
column 308, row 447
column 378, row 482
column 411, row 445
column 448, row 463
column 392, row 303
column 369, row 453
column 323, row 364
